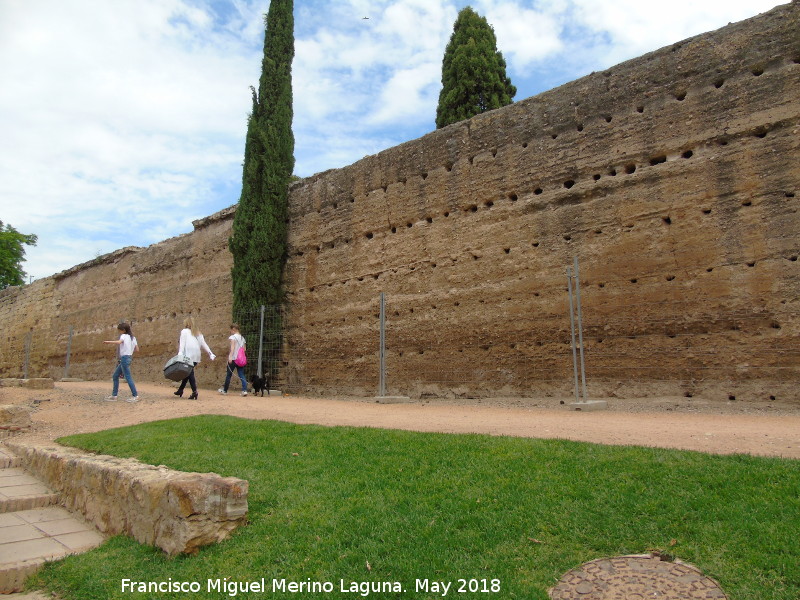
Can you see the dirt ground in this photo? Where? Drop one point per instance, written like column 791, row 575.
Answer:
column 771, row 429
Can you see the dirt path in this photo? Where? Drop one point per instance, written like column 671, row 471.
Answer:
column 723, row 428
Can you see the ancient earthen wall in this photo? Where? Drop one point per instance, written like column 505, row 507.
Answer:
column 155, row 288
column 672, row 178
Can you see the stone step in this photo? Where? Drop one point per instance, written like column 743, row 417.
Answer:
column 21, row 491
column 8, row 459
column 34, row 529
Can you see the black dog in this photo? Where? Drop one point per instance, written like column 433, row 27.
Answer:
column 260, row 384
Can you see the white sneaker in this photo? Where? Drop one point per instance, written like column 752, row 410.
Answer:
column 111, row 398
column 244, row 393
column 222, row 391
column 133, row 399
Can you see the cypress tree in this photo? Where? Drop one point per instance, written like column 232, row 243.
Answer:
column 258, row 239
column 474, row 76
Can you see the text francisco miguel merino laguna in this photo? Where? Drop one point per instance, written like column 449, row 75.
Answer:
column 362, row 588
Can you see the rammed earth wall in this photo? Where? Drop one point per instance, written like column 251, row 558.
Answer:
column 672, row 178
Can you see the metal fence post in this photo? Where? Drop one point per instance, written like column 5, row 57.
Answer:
column 27, row 353
column 69, row 350
column 261, row 343
column 580, row 327
column 572, row 331
column 382, row 353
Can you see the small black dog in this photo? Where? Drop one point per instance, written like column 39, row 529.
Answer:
column 260, row 384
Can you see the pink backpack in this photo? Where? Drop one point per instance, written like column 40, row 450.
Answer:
column 241, row 358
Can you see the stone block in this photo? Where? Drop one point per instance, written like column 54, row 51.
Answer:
column 14, row 415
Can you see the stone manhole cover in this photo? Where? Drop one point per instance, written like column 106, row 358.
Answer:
column 636, row 578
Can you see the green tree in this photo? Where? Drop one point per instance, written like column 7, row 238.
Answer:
column 258, row 239
column 12, row 254
column 474, row 76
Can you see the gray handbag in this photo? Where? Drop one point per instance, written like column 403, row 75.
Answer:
column 178, row 367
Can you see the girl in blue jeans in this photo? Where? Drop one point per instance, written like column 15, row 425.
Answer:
column 236, row 342
column 127, row 344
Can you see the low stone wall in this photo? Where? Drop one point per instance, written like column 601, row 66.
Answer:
column 175, row 511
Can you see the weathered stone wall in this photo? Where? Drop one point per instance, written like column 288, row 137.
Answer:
column 154, row 288
column 672, row 178
column 175, row 511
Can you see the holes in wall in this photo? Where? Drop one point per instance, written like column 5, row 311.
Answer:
column 596, row 177
column 757, row 71
column 634, row 280
column 488, row 204
column 424, row 175
column 657, row 160
column 524, row 145
column 718, row 83
column 394, row 229
column 580, row 127
column 472, row 208
column 667, row 220
column 612, row 172
column 687, row 154
column 761, row 132
column 512, row 196
column 535, row 244
column 789, row 194
column 446, row 214
column 448, row 166
column 640, row 109
column 706, row 211
column 608, row 118
column 567, row 237
column 409, row 225
column 569, row 183
column 670, row 277
column 370, row 235
column 747, row 203
column 429, row 220
column 554, row 136
column 680, row 96
column 537, row 191
column 507, row 250
column 775, row 325
column 630, row 169
column 751, row 263
column 793, row 258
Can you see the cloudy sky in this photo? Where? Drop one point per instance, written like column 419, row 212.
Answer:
column 121, row 121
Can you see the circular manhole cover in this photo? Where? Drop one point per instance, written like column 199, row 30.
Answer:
column 636, row 578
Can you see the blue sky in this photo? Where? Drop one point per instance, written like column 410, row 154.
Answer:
column 122, row 121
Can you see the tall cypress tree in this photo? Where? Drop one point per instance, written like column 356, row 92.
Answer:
column 258, row 240
column 474, row 76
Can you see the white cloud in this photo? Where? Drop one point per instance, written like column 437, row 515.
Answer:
column 122, row 121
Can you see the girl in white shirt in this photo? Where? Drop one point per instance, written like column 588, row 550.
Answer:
column 191, row 342
column 236, row 341
column 127, row 344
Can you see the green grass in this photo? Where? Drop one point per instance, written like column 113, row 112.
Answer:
column 445, row 507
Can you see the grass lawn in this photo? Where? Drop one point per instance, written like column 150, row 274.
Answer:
column 351, row 506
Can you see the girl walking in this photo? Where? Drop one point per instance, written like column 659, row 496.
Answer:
column 191, row 342
column 236, row 341
column 126, row 345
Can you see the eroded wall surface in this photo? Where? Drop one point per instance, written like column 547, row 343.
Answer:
column 672, row 178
